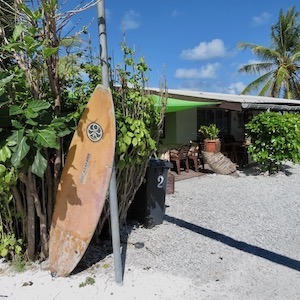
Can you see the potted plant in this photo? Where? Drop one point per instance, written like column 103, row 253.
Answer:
column 211, row 141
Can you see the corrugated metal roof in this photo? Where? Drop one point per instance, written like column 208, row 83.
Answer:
column 198, row 95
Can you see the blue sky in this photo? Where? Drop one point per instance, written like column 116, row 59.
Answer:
column 192, row 42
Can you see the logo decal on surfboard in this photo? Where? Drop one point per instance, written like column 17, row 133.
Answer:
column 94, row 132
column 84, row 172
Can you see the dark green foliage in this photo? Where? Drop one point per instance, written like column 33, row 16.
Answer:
column 45, row 83
column 42, row 96
column 32, row 131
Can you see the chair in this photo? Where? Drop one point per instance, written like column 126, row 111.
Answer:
column 180, row 157
column 200, row 155
column 193, row 156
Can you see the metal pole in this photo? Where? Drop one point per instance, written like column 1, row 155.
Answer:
column 103, row 43
column 114, row 214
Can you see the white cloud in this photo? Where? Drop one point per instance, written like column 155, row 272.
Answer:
column 207, row 71
column 261, row 19
column 235, row 88
column 205, row 50
column 131, row 20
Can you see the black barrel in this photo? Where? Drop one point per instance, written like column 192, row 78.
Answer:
column 148, row 206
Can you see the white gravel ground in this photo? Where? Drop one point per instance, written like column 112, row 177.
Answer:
column 223, row 237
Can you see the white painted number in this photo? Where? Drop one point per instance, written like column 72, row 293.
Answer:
column 160, row 180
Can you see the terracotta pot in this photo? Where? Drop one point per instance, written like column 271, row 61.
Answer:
column 212, row 145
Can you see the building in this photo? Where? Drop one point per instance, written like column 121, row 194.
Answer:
column 187, row 110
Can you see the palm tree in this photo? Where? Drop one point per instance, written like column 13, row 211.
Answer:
column 279, row 68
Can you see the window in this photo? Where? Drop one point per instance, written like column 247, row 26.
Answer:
column 218, row 116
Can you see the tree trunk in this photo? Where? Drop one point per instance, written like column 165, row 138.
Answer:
column 20, row 209
column 49, row 195
column 42, row 218
column 30, row 217
column 18, row 199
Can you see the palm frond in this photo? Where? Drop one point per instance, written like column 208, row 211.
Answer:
column 261, row 67
column 285, row 33
column 254, row 85
column 265, row 90
column 280, row 62
column 295, row 57
column 245, row 46
column 294, row 92
column 266, row 54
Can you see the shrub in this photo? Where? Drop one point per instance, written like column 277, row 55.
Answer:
column 275, row 138
column 10, row 247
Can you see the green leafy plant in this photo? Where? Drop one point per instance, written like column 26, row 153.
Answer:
column 43, row 92
column 32, row 134
column 42, row 95
column 139, row 123
column 275, row 138
column 209, row 131
column 10, row 247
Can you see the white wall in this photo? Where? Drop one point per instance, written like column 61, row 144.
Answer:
column 180, row 127
column 186, row 126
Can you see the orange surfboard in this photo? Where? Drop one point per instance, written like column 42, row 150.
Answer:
column 84, row 184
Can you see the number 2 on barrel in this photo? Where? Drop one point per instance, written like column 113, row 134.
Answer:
column 160, row 180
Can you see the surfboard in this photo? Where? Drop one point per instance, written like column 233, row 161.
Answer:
column 84, row 184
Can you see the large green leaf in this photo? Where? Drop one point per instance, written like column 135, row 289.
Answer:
column 30, row 40
column 11, row 46
column 16, row 124
column 31, row 122
column 38, row 105
column 20, row 152
column 64, row 132
column 4, row 252
column 6, row 80
column 15, row 138
column 2, row 169
column 15, row 110
column 47, row 138
column 127, row 139
column 5, row 153
column 49, row 51
column 39, row 164
column 17, row 31
column 30, row 114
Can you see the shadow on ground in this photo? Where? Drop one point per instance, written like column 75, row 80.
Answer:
column 255, row 170
column 251, row 249
column 99, row 249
